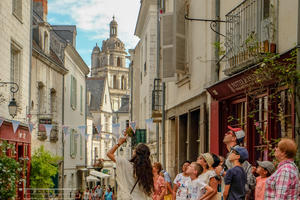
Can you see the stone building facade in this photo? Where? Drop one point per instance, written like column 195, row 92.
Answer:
column 74, row 116
column 206, row 88
column 47, row 76
column 144, row 71
column 15, row 54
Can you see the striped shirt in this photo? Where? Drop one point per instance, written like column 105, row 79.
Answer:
column 284, row 183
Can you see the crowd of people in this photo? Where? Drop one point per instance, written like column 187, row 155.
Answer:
column 211, row 176
column 97, row 193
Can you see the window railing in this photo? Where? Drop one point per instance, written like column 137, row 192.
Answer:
column 157, row 96
column 250, row 31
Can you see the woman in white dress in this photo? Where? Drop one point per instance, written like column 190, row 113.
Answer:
column 134, row 177
column 208, row 175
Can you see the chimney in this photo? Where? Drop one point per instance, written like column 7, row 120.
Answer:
column 41, row 8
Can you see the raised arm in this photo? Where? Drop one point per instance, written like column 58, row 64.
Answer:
column 213, row 183
column 111, row 153
column 209, row 190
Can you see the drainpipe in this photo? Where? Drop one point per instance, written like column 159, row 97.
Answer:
column 215, row 75
column 297, row 90
column 85, row 118
column 30, row 58
column 163, row 125
column 131, row 101
column 85, row 141
column 29, row 79
column 30, row 55
column 62, row 135
column 158, row 71
column 131, row 91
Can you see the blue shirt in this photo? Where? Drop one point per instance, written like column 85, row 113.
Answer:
column 237, row 179
column 108, row 196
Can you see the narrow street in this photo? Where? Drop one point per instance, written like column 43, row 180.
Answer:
column 149, row 99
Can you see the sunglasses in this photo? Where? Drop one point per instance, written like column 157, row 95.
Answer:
column 235, row 152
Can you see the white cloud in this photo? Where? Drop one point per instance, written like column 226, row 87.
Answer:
column 95, row 15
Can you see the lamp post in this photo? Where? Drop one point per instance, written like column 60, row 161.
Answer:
column 12, row 106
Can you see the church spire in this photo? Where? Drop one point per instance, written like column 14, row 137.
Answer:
column 113, row 28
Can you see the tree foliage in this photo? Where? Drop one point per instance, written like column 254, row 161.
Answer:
column 9, row 173
column 43, row 168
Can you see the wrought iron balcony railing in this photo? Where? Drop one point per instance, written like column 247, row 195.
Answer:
column 157, row 96
column 250, row 31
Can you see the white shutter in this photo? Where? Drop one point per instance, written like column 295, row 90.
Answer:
column 179, row 28
column 167, row 45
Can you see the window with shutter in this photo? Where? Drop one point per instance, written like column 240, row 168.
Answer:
column 180, row 44
column 71, row 144
column 17, row 9
column 81, row 103
column 80, row 146
column 167, row 45
column 73, row 90
column 75, row 144
column 15, row 66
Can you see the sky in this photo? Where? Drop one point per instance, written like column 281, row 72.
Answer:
column 92, row 18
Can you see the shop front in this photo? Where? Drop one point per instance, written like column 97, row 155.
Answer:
column 20, row 141
column 264, row 111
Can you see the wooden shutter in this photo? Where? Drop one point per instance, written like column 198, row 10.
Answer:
column 71, row 92
column 71, row 143
column 167, row 45
column 179, row 28
column 81, row 103
column 73, row 95
column 75, row 144
column 80, row 146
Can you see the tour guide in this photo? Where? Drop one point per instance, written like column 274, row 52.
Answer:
column 134, row 177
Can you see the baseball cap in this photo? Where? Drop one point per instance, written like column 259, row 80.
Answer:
column 239, row 133
column 269, row 166
column 241, row 151
column 208, row 158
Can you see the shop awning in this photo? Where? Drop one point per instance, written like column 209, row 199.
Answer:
column 99, row 174
column 91, row 178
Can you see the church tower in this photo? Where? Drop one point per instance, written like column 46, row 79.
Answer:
column 113, row 28
column 110, row 62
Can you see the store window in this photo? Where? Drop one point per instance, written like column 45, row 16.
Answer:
column 238, row 115
column 284, row 113
column 260, row 127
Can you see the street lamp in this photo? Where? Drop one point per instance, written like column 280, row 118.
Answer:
column 12, row 106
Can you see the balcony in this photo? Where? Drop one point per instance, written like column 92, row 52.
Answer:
column 250, row 33
column 157, row 101
column 42, row 135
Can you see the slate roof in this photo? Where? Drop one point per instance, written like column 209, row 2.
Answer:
column 96, row 87
column 66, row 32
column 53, row 57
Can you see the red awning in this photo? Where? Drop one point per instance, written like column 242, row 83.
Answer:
column 233, row 85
